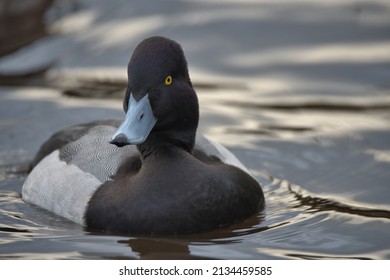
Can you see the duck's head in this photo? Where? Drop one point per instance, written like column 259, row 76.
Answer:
column 160, row 104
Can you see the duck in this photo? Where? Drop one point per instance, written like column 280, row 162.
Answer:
column 151, row 173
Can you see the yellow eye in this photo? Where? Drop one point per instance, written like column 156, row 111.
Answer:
column 168, row 80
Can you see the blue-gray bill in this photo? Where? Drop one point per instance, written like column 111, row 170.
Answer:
column 138, row 123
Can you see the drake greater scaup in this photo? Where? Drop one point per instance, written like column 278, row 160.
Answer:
column 151, row 174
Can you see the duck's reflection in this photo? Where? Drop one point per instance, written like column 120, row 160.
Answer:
column 159, row 248
column 179, row 247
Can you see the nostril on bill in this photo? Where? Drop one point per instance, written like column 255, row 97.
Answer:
column 120, row 140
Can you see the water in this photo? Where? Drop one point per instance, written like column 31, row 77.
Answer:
column 308, row 115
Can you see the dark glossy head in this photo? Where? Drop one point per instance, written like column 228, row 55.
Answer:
column 159, row 83
column 153, row 60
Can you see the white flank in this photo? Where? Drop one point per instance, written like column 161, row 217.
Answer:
column 60, row 188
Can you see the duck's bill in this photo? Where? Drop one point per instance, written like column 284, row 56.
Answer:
column 138, row 123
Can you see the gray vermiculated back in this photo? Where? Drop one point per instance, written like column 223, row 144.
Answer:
column 94, row 154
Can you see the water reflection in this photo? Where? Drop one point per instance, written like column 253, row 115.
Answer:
column 318, row 204
column 319, row 257
column 148, row 248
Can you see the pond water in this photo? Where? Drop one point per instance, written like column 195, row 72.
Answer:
column 315, row 134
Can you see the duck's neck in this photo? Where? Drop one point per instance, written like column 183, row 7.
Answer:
column 160, row 145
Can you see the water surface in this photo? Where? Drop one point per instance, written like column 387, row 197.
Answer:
column 302, row 98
